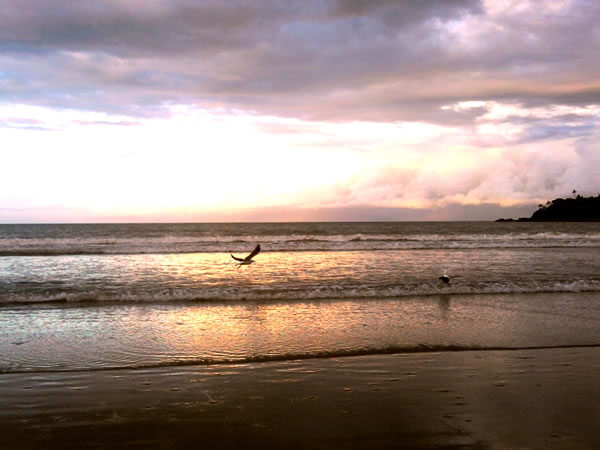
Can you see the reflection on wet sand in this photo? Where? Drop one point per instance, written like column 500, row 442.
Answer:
column 444, row 304
column 203, row 332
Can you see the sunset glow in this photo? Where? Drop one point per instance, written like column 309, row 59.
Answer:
column 382, row 110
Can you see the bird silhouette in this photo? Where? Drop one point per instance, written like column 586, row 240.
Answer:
column 248, row 259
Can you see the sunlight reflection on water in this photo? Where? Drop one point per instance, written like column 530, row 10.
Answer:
column 295, row 275
column 145, row 335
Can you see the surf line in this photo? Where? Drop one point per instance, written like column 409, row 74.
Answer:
column 300, row 356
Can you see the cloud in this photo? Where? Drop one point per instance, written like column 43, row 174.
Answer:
column 23, row 123
column 323, row 60
column 179, row 26
column 386, row 104
column 528, row 171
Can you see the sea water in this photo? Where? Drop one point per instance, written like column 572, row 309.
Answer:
column 99, row 296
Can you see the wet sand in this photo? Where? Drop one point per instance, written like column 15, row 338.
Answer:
column 545, row 398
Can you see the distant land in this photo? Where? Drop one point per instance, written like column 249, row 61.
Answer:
column 576, row 209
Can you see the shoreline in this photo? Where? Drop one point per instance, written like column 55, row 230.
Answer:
column 531, row 398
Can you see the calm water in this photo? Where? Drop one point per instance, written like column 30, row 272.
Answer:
column 100, row 296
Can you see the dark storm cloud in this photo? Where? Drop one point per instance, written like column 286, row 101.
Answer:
column 394, row 12
column 123, row 28
column 326, row 60
column 134, row 28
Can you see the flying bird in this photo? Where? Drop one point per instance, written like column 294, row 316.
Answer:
column 248, row 259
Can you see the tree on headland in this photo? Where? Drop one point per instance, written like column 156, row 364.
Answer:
column 577, row 209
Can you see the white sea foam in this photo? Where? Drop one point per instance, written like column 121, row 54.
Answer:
column 221, row 294
column 293, row 242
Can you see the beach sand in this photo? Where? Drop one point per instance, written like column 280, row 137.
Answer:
column 544, row 398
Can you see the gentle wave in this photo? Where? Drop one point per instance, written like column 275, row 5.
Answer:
column 332, row 292
column 339, row 353
column 294, row 242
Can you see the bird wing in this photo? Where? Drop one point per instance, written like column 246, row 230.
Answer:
column 254, row 253
column 237, row 259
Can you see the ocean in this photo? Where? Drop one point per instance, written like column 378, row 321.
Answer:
column 125, row 296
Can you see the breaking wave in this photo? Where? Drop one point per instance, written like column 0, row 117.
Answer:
column 294, row 242
column 294, row 356
column 313, row 293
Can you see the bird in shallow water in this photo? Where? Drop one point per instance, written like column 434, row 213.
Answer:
column 445, row 278
column 248, row 259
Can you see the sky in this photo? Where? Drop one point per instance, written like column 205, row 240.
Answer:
column 295, row 110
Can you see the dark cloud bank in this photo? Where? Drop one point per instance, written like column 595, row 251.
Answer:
column 327, row 60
